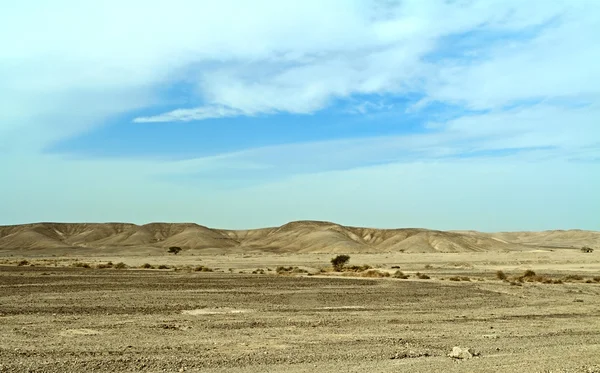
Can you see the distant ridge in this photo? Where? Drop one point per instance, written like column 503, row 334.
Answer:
column 293, row 237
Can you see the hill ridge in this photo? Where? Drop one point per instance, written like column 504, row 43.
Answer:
column 304, row 236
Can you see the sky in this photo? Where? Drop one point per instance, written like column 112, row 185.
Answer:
column 456, row 114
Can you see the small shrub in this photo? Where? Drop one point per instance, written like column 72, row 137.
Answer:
column 298, row 270
column 589, row 281
column 400, row 274
column 163, row 266
column 258, row 271
column 147, row 266
column 454, row 278
column 422, row 276
column 23, row 263
column 515, row 283
column 529, row 273
column 587, row 249
column 339, row 262
column 501, row 275
column 428, row 266
column 395, row 267
column 104, row 265
column 557, row 281
column 573, row 278
column 596, row 278
column 174, row 250
column 465, row 278
column 81, row 265
column 120, row 265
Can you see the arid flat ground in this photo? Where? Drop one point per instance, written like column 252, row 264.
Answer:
column 57, row 318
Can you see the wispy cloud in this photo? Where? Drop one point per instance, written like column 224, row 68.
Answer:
column 186, row 115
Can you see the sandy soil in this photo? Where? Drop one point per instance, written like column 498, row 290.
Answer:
column 60, row 318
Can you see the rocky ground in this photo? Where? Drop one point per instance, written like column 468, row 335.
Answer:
column 61, row 319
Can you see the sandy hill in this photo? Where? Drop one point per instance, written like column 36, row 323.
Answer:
column 297, row 237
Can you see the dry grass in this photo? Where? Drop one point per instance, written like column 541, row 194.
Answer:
column 121, row 265
column 147, row 266
column 163, row 266
column 374, row 273
column 203, row 269
column 422, row 276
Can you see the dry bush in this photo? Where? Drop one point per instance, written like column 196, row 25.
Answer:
column 23, row 263
column 501, row 275
column 515, row 283
column 203, row 269
column 81, row 265
column 465, row 278
column 596, row 278
column 400, row 274
column 147, row 266
column 355, row 268
column 258, row 271
column 454, row 278
column 422, row 276
column 572, row 278
column 339, row 262
column 374, row 273
column 428, row 266
column 104, row 265
column 163, row 266
column 529, row 273
column 120, row 265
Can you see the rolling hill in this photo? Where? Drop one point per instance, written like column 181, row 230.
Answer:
column 294, row 237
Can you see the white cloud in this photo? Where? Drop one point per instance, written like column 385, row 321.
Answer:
column 186, row 115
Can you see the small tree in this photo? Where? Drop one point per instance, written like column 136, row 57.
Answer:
column 174, row 250
column 339, row 262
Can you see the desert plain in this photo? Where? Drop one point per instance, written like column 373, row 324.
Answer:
column 111, row 298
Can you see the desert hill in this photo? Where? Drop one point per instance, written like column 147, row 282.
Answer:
column 296, row 237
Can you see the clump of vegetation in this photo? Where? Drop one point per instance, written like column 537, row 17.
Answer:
column 572, row 278
column 281, row 270
column 454, row 278
column 428, row 266
column 422, row 276
column 395, row 267
column 355, row 268
column 258, row 271
column 120, row 265
column 23, row 263
column 501, row 275
column 81, row 265
column 400, row 275
column 203, row 269
column 587, row 249
column 529, row 273
column 104, row 265
column 596, row 278
column 147, row 266
column 174, row 250
column 339, row 262
column 163, row 266
column 374, row 273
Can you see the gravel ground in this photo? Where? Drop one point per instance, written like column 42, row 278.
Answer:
column 90, row 320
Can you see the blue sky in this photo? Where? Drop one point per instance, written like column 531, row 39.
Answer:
column 440, row 114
